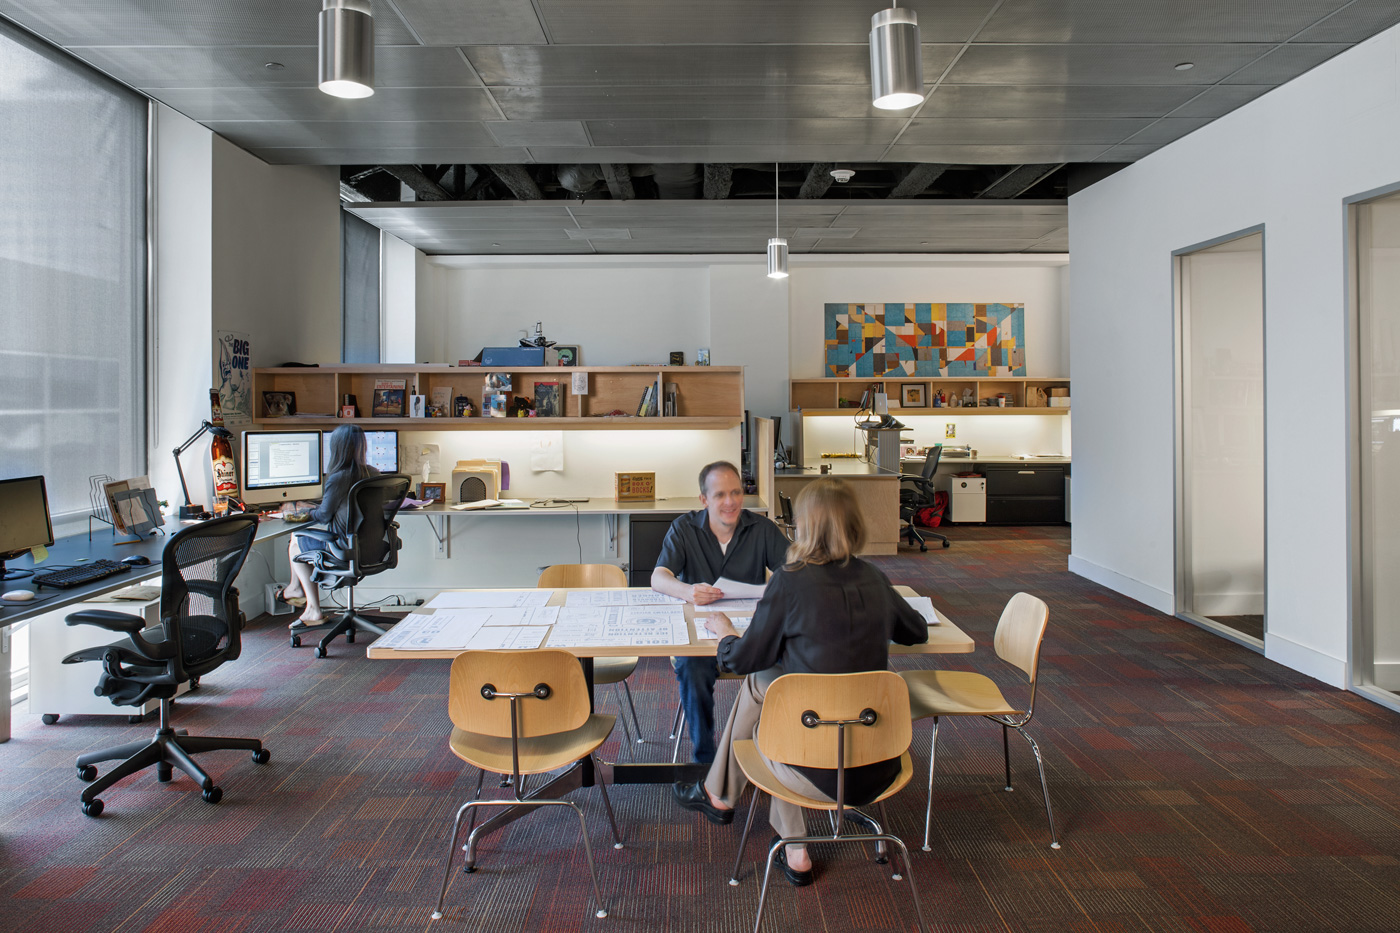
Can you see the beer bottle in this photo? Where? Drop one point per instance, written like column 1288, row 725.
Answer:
column 225, row 474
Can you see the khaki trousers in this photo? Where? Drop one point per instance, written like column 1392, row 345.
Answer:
column 726, row 779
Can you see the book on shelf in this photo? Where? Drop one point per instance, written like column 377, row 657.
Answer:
column 389, row 398
column 548, row 400
column 671, row 407
column 646, row 407
column 440, row 404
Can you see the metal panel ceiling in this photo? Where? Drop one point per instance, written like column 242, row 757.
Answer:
column 635, row 81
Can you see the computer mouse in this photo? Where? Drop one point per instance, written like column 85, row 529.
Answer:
column 17, row 596
column 136, row 560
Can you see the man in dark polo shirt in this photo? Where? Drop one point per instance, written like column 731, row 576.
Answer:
column 720, row 540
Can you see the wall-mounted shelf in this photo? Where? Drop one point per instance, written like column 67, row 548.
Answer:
column 841, row 395
column 708, row 397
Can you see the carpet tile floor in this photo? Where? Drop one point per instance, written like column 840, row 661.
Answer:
column 1197, row 787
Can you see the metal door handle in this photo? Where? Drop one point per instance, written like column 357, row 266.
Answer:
column 1026, row 472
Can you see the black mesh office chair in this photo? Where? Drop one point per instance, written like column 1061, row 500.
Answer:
column 785, row 521
column 200, row 629
column 371, row 547
column 918, row 494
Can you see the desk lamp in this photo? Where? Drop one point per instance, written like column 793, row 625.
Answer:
column 187, row 510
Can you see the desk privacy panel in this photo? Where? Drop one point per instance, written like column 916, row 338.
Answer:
column 925, row 339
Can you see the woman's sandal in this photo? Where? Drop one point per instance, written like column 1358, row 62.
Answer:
column 281, row 596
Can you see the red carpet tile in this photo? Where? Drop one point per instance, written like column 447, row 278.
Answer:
column 1198, row 787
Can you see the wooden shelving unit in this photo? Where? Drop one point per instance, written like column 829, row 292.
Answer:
column 841, row 395
column 708, row 397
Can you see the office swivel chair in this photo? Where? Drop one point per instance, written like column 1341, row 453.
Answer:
column 200, row 629
column 785, row 521
column 920, row 495
column 372, row 546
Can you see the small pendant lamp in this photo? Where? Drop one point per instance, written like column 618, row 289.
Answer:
column 896, row 65
column 347, row 48
column 777, row 245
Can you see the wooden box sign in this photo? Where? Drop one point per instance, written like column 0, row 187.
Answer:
column 634, row 486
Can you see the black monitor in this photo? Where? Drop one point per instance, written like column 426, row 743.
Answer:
column 281, row 466
column 24, row 521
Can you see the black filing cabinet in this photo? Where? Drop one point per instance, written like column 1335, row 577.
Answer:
column 1025, row 494
column 645, row 532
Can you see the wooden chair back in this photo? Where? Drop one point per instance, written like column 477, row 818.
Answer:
column 564, row 709
column 1020, row 632
column 783, row 737
column 561, row 575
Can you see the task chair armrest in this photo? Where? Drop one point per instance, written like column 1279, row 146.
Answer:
column 321, row 534
column 123, row 622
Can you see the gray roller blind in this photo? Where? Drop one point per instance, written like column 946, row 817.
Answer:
column 72, row 272
column 359, row 290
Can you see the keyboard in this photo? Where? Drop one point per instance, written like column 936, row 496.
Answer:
column 76, row 576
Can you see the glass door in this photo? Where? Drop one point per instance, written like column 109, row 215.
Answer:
column 1220, row 468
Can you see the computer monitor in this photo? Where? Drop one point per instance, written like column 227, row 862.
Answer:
column 24, row 520
column 281, row 466
column 381, row 451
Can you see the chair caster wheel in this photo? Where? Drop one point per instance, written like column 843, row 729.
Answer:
column 947, row 544
column 93, row 807
column 320, row 652
column 164, row 773
column 194, row 683
column 136, row 720
column 262, row 756
column 350, row 637
column 87, row 773
column 49, row 718
column 923, row 548
column 296, row 641
column 213, row 794
column 469, row 868
column 885, row 860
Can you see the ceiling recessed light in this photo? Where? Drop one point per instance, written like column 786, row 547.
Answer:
column 274, row 66
column 1185, row 66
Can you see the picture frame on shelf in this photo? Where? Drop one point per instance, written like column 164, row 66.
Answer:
column 912, row 396
column 432, row 492
column 548, row 400
column 389, row 398
column 280, row 404
column 566, row 355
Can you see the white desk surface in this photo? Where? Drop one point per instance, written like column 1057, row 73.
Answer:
column 945, row 638
column 594, row 506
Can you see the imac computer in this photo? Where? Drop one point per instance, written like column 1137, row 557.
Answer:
column 381, row 451
column 281, row 466
column 24, row 521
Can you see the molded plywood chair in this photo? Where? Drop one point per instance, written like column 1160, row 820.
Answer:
column 605, row 670
column 1019, row 634
column 522, row 713
column 836, row 722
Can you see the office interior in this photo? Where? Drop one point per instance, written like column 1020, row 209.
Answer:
column 1223, row 305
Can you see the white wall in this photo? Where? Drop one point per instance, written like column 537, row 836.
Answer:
column 398, row 277
column 1287, row 161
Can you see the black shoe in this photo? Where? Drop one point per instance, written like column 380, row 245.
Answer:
column 693, row 797
column 798, row 879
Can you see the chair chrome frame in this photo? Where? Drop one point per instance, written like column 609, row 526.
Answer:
column 517, row 799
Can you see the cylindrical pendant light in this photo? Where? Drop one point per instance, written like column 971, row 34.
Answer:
column 347, row 48
column 777, row 246
column 896, row 65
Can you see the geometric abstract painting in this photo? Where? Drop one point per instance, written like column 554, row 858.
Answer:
column 925, row 339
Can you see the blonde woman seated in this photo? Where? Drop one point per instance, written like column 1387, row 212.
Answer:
column 825, row 611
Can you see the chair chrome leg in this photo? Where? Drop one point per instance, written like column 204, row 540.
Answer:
column 676, row 722
column 679, row 730
column 913, row 888
column 451, row 847
column 626, row 729
column 636, row 723
column 743, row 840
column 767, row 873
column 880, row 846
column 1006, row 754
column 607, row 804
column 480, row 778
column 1044, row 787
column 932, row 756
column 602, row 908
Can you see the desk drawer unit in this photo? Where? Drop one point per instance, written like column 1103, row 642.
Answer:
column 1025, row 495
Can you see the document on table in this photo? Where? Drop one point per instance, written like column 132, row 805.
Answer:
column 740, row 623
column 729, row 605
column 435, row 631
column 924, row 606
column 543, row 615
column 502, row 638
column 489, row 599
column 733, row 589
column 620, row 627
column 592, row 599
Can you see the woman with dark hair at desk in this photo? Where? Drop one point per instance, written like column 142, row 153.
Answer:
column 345, row 468
column 825, row 611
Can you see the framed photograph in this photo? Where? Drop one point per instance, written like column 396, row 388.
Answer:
column 389, row 398
column 280, row 404
column 677, row 357
column 912, row 396
column 567, row 356
column 549, row 402
column 432, row 492
column 702, row 356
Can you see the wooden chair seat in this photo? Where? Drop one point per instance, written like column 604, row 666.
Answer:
column 538, row 753
column 955, row 693
column 762, row 777
column 613, row 670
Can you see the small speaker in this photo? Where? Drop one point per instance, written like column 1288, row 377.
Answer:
column 475, row 485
